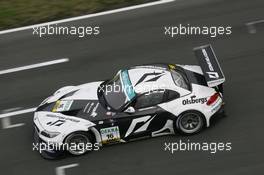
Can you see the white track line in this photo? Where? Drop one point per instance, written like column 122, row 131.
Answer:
column 251, row 26
column 61, row 170
column 88, row 16
column 17, row 112
column 255, row 22
column 11, row 109
column 6, row 123
column 32, row 66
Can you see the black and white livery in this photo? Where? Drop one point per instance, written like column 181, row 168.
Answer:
column 139, row 102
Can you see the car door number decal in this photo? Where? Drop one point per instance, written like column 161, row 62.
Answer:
column 110, row 134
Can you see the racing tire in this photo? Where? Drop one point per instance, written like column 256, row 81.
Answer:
column 77, row 143
column 190, row 122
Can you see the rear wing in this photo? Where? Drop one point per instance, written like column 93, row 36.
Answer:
column 210, row 66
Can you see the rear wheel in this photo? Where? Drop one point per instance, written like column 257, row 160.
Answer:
column 77, row 143
column 190, row 122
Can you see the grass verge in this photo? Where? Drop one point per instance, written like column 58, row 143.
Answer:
column 17, row 13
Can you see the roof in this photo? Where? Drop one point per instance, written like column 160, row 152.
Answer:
column 152, row 77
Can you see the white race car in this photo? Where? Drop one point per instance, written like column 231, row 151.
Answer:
column 139, row 102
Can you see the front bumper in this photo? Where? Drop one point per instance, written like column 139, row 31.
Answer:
column 43, row 147
column 40, row 129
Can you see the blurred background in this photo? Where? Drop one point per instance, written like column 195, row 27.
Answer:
column 16, row 13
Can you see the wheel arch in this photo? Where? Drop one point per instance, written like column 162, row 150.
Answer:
column 203, row 115
column 94, row 133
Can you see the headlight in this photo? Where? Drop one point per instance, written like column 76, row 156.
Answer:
column 49, row 134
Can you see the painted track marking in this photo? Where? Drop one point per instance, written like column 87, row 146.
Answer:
column 6, row 122
column 61, row 169
column 10, row 114
column 251, row 26
column 33, row 66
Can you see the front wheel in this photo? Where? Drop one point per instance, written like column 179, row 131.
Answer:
column 190, row 122
column 77, row 143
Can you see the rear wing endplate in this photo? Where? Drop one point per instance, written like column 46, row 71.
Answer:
column 210, row 66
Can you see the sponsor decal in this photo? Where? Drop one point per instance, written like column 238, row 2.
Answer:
column 91, row 109
column 144, row 121
column 206, row 57
column 62, row 105
column 94, row 113
column 148, row 77
column 62, row 118
column 216, row 106
column 110, row 134
column 171, row 66
column 211, row 74
column 194, row 100
column 88, row 107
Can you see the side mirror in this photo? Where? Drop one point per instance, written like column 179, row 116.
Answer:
column 130, row 110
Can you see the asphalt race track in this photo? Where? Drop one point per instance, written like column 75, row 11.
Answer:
column 131, row 38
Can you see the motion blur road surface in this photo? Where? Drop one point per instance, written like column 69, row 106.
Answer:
column 133, row 38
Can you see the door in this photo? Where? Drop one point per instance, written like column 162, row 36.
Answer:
column 140, row 122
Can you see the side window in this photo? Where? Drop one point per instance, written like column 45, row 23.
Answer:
column 171, row 95
column 149, row 99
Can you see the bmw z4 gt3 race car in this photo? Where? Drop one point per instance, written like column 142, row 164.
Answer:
column 139, row 102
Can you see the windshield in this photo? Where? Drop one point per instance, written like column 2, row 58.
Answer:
column 119, row 91
column 179, row 80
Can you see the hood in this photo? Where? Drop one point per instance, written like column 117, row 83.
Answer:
column 86, row 91
column 52, row 121
column 81, row 102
